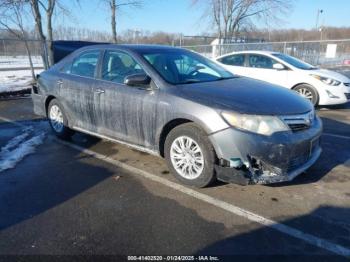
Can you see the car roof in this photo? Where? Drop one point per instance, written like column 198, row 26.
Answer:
column 133, row 47
column 260, row 52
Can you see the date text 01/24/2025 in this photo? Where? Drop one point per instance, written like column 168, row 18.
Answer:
column 173, row 258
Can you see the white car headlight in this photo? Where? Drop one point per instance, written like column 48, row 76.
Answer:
column 327, row 80
column 264, row 125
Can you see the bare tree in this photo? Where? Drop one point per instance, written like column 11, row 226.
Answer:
column 12, row 13
column 48, row 6
column 116, row 5
column 39, row 28
column 229, row 16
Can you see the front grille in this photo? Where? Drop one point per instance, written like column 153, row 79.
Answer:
column 298, row 127
column 299, row 122
column 347, row 95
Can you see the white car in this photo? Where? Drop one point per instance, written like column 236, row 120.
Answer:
column 320, row 86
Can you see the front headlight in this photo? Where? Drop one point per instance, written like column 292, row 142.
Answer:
column 264, row 125
column 327, row 80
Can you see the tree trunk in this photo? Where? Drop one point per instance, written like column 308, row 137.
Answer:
column 49, row 13
column 39, row 28
column 30, row 59
column 49, row 39
column 113, row 20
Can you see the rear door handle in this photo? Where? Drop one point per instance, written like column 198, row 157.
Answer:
column 99, row 91
column 59, row 82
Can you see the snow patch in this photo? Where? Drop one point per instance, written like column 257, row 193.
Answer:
column 19, row 61
column 11, row 81
column 19, row 147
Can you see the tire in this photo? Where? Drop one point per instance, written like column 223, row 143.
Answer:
column 198, row 173
column 58, row 120
column 308, row 92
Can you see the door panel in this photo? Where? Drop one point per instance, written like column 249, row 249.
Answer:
column 124, row 112
column 261, row 67
column 76, row 97
column 75, row 87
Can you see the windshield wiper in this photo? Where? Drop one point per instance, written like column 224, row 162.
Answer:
column 225, row 78
column 190, row 81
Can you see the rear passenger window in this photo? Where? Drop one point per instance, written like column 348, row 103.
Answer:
column 234, row 60
column 85, row 64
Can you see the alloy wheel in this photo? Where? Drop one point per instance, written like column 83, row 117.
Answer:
column 304, row 92
column 56, row 118
column 187, row 157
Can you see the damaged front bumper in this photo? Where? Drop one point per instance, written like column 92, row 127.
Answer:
column 266, row 159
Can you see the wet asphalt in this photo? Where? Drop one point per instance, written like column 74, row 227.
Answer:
column 59, row 201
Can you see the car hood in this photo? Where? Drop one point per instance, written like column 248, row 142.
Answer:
column 328, row 73
column 248, row 96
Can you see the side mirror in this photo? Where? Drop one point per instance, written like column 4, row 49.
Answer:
column 137, row 80
column 278, row 66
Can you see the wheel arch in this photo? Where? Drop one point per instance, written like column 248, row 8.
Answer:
column 166, row 130
column 300, row 84
column 48, row 99
column 312, row 87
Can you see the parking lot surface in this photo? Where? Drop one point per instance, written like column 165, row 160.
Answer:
column 59, row 198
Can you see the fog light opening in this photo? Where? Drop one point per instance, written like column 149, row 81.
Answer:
column 236, row 162
column 330, row 95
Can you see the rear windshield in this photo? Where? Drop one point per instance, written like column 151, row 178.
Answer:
column 184, row 67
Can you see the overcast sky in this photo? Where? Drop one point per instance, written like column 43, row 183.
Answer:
column 178, row 16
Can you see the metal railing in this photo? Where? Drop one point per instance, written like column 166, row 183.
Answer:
column 326, row 53
column 13, row 54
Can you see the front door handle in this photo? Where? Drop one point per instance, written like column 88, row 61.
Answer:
column 99, row 91
column 59, row 82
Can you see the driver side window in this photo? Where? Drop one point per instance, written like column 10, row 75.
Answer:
column 261, row 61
column 118, row 65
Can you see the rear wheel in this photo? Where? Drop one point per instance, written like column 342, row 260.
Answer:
column 307, row 92
column 190, row 155
column 58, row 120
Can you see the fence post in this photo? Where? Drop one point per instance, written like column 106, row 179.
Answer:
column 284, row 47
column 3, row 43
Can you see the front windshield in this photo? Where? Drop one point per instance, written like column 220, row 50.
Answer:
column 184, row 67
column 294, row 62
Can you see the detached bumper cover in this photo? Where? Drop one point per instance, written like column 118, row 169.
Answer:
column 241, row 177
column 267, row 159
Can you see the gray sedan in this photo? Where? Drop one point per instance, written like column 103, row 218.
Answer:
column 207, row 123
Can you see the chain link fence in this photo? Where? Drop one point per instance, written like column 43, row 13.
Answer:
column 326, row 53
column 13, row 54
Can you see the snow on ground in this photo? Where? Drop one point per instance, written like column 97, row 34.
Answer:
column 19, row 61
column 15, row 80
column 20, row 146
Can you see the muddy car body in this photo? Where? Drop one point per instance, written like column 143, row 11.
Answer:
column 172, row 102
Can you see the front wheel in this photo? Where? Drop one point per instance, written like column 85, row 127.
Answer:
column 190, row 155
column 307, row 92
column 58, row 120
